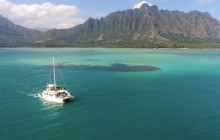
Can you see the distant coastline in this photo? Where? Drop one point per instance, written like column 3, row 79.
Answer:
column 151, row 46
column 146, row 27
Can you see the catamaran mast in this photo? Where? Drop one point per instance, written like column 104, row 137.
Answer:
column 54, row 78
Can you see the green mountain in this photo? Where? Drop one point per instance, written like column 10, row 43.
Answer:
column 146, row 26
column 15, row 35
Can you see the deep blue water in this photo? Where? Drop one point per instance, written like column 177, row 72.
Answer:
column 179, row 101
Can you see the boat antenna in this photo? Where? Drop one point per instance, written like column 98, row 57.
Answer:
column 54, row 76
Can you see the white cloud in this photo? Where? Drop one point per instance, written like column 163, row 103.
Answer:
column 200, row 2
column 138, row 5
column 46, row 15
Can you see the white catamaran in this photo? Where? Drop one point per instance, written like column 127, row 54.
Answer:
column 55, row 93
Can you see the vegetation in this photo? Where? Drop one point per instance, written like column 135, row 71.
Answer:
column 147, row 27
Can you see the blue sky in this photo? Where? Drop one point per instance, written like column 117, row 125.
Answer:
column 68, row 13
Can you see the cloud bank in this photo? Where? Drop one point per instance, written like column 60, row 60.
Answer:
column 46, row 15
column 138, row 5
column 200, row 2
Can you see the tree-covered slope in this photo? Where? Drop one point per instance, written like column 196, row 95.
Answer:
column 145, row 26
column 12, row 35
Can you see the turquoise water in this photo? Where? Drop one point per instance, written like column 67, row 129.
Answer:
column 179, row 101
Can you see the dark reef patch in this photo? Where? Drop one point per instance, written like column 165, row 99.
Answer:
column 113, row 67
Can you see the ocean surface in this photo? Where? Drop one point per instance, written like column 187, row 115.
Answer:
column 178, row 101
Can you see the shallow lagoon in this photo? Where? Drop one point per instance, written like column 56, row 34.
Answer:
column 178, row 101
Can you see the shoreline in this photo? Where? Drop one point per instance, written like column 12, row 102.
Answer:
column 110, row 48
column 140, row 46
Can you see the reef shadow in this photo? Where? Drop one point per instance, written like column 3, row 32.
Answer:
column 113, row 67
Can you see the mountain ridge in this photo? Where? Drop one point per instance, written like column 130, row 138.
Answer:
column 11, row 33
column 144, row 26
column 147, row 26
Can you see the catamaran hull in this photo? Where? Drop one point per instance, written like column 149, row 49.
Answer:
column 56, row 100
